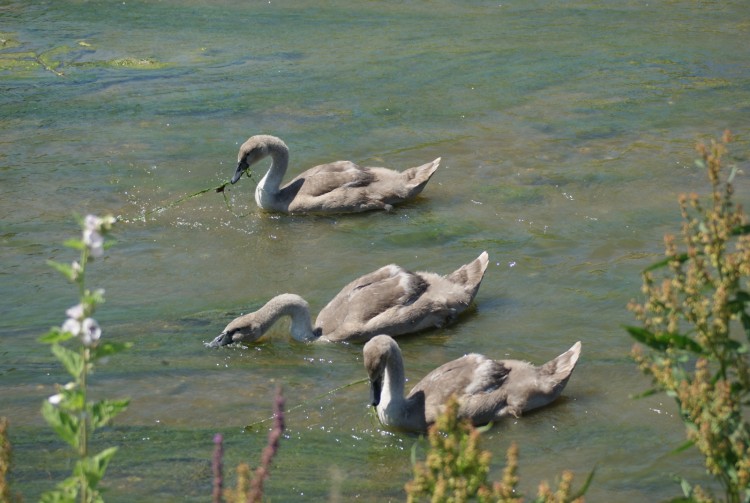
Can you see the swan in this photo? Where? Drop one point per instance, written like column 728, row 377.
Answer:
column 486, row 389
column 337, row 187
column 391, row 300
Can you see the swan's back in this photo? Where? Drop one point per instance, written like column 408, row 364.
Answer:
column 343, row 186
column 472, row 375
column 488, row 390
column 396, row 301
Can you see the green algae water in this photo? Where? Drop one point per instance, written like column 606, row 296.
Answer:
column 566, row 132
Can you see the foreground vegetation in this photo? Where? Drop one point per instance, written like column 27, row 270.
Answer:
column 696, row 328
column 456, row 469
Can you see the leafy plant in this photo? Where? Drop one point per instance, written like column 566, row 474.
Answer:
column 695, row 327
column 78, row 346
column 456, row 469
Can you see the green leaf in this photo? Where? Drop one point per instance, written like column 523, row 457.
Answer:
column 682, row 258
column 73, row 400
column 641, row 334
column 76, row 244
column 484, row 429
column 687, row 490
column 741, row 230
column 71, row 360
column 585, row 487
column 737, row 304
column 93, row 298
column 745, row 319
column 93, row 467
column 66, row 492
column 65, row 425
column 104, row 411
column 734, row 346
column 55, row 336
column 64, row 269
column 109, row 348
column 105, row 349
column 685, row 446
column 662, row 342
column 413, row 456
column 644, row 394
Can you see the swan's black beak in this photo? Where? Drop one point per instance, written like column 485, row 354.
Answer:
column 376, row 387
column 222, row 340
column 241, row 167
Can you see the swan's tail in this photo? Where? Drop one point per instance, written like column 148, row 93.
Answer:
column 550, row 380
column 417, row 178
column 559, row 369
column 471, row 274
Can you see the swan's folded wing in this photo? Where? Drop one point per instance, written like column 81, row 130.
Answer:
column 326, row 178
column 474, row 379
column 370, row 303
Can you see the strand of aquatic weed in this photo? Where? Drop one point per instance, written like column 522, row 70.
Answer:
column 219, row 188
column 250, row 426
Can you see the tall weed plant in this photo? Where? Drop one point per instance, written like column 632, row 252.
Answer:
column 694, row 335
column 78, row 346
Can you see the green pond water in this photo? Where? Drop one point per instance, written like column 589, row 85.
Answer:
column 566, row 131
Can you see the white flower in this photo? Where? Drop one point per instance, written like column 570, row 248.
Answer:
column 90, row 331
column 92, row 223
column 75, row 312
column 55, row 399
column 73, row 323
column 93, row 230
column 94, row 241
column 72, row 326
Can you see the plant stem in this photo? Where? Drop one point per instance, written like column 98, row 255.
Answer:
column 217, row 468
column 84, row 418
column 85, row 421
column 80, row 279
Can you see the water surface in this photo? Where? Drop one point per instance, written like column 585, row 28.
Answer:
column 566, row 132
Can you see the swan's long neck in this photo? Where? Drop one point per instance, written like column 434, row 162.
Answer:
column 291, row 305
column 393, row 381
column 266, row 193
column 394, row 409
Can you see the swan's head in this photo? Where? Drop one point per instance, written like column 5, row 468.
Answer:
column 254, row 149
column 242, row 329
column 250, row 152
column 376, row 353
